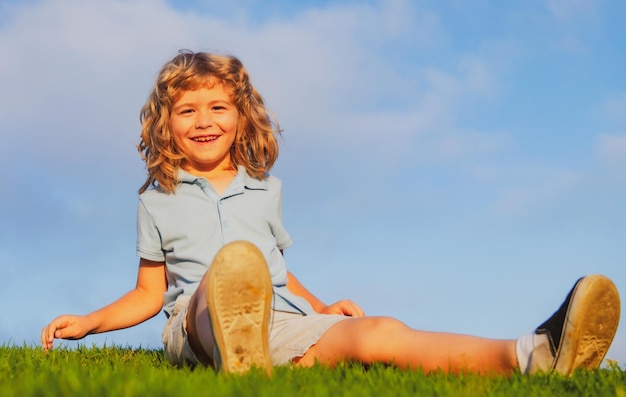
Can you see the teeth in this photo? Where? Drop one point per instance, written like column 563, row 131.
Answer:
column 205, row 138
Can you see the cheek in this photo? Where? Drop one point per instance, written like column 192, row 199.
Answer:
column 174, row 127
column 178, row 130
column 235, row 124
column 235, row 129
column 177, row 136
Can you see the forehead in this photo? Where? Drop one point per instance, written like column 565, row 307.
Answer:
column 207, row 82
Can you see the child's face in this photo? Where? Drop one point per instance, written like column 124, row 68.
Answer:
column 204, row 123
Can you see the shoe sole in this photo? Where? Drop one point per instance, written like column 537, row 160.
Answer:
column 590, row 325
column 239, row 295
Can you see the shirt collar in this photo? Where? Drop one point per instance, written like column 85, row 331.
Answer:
column 242, row 180
column 250, row 182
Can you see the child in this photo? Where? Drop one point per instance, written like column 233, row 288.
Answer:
column 210, row 241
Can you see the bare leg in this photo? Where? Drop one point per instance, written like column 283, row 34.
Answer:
column 199, row 326
column 387, row 340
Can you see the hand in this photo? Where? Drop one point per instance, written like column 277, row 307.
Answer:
column 65, row 327
column 345, row 307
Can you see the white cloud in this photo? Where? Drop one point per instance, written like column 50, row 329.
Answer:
column 611, row 149
column 573, row 17
column 480, row 76
column 55, row 46
column 615, row 108
column 82, row 70
column 571, row 11
column 464, row 143
column 532, row 189
column 79, row 72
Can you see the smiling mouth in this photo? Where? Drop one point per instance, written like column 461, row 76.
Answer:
column 205, row 138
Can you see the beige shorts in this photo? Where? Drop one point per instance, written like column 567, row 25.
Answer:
column 291, row 334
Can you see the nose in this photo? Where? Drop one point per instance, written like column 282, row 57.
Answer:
column 204, row 120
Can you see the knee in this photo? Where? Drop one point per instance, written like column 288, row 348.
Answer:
column 378, row 334
column 363, row 339
column 386, row 327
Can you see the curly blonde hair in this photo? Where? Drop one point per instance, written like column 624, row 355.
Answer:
column 255, row 146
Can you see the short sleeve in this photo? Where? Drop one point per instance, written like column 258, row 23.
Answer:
column 283, row 240
column 148, row 238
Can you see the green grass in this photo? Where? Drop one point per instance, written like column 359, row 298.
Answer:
column 118, row 371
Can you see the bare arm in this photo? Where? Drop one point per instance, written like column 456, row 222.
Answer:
column 345, row 307
column 295, row 287
column 136, row 306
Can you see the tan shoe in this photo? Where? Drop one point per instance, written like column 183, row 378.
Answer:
column 239, row 296
column 580, row 333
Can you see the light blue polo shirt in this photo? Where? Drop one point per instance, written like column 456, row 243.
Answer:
column 186, row 229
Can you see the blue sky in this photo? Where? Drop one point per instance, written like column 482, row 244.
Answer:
column 457, row 165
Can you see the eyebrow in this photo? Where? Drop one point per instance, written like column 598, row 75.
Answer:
column 191, row 103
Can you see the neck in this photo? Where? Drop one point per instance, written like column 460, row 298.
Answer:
column 219, row 178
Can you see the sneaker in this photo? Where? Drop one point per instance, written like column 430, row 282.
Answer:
column 239, row 296
column 580, row 333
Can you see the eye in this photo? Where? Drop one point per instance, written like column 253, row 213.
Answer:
column 218, row 107
column 185, row 111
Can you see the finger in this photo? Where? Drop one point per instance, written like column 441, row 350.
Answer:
column 345, row 310
column 356, row 310
column 47, row 338
column 44, row 339
column 62, row 332
column 53, row 330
